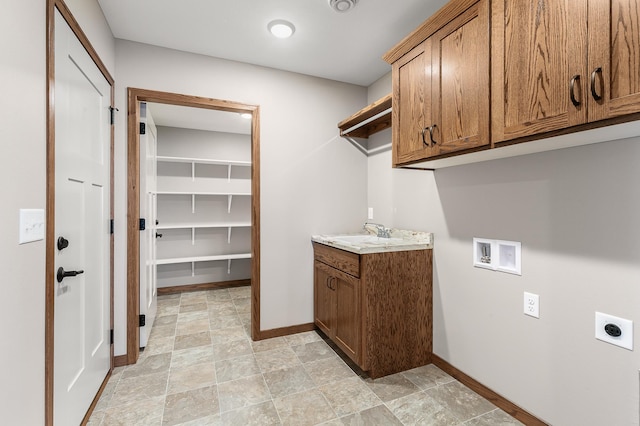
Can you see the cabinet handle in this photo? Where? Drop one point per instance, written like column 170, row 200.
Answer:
column 433, row 142
column 424, row 141
column 572, row 90
column 593, row 83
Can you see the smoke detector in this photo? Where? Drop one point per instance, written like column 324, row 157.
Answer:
column 342, row 5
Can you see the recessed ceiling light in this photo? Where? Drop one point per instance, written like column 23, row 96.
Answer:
column 342, row 5
column 281, row 28
column 246, row 115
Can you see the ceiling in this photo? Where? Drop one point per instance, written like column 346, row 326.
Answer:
column 345, row 47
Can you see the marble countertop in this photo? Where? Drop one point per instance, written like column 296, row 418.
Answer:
column 363, row 243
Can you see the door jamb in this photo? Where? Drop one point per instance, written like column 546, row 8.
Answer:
column 134, row 97
column 60, row 5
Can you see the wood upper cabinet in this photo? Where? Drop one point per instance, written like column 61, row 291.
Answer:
column 460, row 76
column 411, row 111
column 558, row 64
column 441, row 90
column 614, row 47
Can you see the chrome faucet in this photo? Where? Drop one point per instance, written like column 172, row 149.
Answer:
column 381, row 231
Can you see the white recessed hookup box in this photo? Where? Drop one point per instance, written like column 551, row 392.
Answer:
column 498, row 255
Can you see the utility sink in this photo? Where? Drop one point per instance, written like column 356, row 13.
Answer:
column 360, row 243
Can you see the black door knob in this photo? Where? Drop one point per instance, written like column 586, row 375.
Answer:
column 158, row 235
column 63, row 243
column 62, row 274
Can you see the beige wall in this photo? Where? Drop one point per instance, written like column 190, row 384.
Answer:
column 576, row 213
column 312, row 181
column 23, row 173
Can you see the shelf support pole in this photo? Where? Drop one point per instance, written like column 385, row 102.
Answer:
column 193, row 171
column 228, row 266
column 193, row 269
column 229, row 173
column 193, row 203
column 230, row 197
column 229, row 235
column 193, row 236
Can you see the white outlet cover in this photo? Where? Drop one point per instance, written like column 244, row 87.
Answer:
column 532, row 305
column 625, row 340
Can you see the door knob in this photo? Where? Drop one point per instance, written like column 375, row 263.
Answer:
column 63, row 243
column 158, row 235
column 62, row 274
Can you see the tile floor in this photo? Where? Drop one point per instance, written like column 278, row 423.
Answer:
column 201, row 368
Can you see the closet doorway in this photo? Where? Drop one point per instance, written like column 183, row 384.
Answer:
column 236, row 196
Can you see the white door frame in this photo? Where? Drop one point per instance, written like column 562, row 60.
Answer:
column 52, row 6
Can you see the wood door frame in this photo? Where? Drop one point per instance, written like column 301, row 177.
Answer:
column 60, row 5
column 134, row 97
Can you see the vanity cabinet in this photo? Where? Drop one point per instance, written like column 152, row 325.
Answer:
column 337, row 308
column 559, row 64
column 441, row 90
column 376, row 307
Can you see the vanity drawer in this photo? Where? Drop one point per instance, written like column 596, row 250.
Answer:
column 342, row 260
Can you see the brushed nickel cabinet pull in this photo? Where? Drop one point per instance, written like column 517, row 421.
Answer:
column 433, row 142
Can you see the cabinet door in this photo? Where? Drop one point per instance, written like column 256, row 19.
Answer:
column 537, row 49
column 323, row 300
column 614, row 48
column 460, row 82
column 411, row 103
column 348, row 318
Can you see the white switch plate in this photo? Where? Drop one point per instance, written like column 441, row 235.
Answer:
column 31, row 225
column 532, row 305
column 370, row 213
column 625, row 340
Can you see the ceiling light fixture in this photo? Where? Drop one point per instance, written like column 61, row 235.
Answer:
column 342, row 5
column 281, row 28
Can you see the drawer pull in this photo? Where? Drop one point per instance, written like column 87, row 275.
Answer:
column 424, row 141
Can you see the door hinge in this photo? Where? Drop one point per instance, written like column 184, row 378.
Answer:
column 111, row 226
column 143, row 224
column 113, row 114
column 142, row 320
column 143, row 129
column 111, row 336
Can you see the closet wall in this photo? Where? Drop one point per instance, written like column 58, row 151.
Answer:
column 203, row 207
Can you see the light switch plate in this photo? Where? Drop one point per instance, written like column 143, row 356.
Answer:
column 31, row 225
column 625, row 340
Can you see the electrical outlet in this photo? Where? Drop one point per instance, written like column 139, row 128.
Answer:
column 614, row 330
column 532, row 305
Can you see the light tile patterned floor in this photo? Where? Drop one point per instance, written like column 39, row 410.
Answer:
column 201, row 368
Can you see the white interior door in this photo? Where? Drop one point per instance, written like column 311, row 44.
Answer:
column 82, row 356
column 148, row 179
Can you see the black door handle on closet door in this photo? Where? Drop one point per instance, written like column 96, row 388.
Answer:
column 62, row 274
